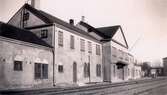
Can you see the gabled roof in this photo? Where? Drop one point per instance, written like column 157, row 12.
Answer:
column 49, row 19
column 111, row 31
column 105, row 32
column 92, row 29
column 12, row 32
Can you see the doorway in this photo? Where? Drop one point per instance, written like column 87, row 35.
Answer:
column 120, row 71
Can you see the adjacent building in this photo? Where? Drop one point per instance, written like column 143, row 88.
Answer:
column 25, row 60
column 165, row 66
column 118, row 63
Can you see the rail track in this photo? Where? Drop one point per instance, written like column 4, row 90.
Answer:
column 122, row 88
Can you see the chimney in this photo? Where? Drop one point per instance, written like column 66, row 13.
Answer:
column 83, row 18
column 35, row 4
column 71, row 21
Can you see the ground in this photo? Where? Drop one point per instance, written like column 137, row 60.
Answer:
column 158, row 91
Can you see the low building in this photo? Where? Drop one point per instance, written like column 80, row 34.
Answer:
column 165, row 66
column 137, row 71
column 25, row 60
column 158, row 71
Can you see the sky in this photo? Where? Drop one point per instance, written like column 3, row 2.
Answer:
column 144, row 22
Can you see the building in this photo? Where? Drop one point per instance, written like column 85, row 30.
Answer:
column 45, row 51
column 137, row 71
column 25, row 60
column 158, row 71
column 165, row 66
column 117, row 62
column 77, row 55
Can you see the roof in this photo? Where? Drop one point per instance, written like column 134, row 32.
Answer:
column 109, row 31
column 106, row 32
column 12, row 32
column 90, row 29
column 49, row 19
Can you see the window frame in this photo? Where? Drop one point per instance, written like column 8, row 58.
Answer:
column 72, row 42
column 41, row 71
column 98, row 49
column 44, row 33
column 60, row 68
column 60, row 38
column 89, row 47
column 18, row 65
column 82, row 45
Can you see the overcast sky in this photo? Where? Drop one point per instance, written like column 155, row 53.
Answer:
column 143, row 21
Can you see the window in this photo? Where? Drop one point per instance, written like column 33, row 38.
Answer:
column 26, row 15
column 60, row 68
column 82, row 44
column 18, row 65
column 120, row 54
column 60, row 38
column 72, row 42
column 98, row 70
column 97, row 49
column 89, row 47
column 114, row 53
column 45, row 71
column 41, row 71
column 44, row 33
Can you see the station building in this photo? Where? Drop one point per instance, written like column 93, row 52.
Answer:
column 49, row 51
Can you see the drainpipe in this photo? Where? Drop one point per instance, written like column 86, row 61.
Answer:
column 53, row 51
column 53, row 66
column 89, row 69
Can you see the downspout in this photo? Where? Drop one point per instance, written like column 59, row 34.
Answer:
column 89, row 69
column 103, row 68
column 53, row 51
column 53, row 66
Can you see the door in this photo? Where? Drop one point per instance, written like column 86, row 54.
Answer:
column 74, row 72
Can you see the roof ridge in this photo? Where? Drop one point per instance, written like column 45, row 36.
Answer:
column 109, row 26
column 48, row 18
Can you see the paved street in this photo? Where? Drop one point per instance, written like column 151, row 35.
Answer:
column 157, row 86
column 157, row 91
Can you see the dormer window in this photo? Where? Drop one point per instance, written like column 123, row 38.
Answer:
column 44, row 33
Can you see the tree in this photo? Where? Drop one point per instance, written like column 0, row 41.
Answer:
column 146, row 68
